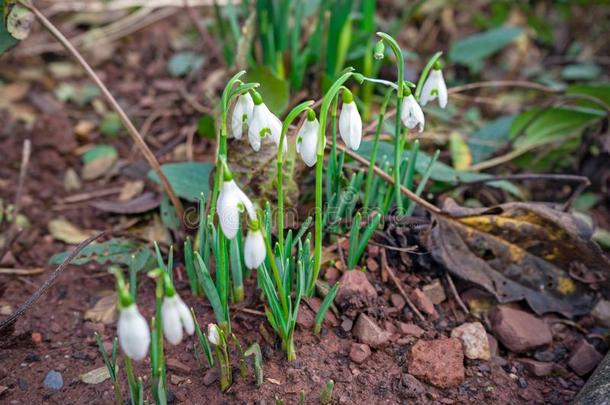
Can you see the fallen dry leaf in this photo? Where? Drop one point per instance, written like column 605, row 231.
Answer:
column 520, row 251
column 95, row 376
column 140, row 204
column 104, row 310
column 131, row 189
column 98, row 167
column 67, row 232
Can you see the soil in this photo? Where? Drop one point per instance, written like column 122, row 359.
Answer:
column 67, row 344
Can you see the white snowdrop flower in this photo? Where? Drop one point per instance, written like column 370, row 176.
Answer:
column 231, row 202
column 434, row 87
column 264, row 123
column 307, row 139
column 213, row 334
column 242, row 113
column 350, row 123
column 176, row 316
column 133, row 331
column 411, row 113
column 254, row 248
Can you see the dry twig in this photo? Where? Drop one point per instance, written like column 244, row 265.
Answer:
column 398, row 285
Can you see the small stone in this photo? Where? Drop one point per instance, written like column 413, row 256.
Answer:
column 354, row 284
column 367, row 331
column 178, row 366
column 474, row 340
column 422, row 302
column 439, row 362
column 94, row 327
column 397, row 301
column 314, row 303
column 95, row 376
column 36, row 337
column 331, row 275
column 347, row 324
column 373, row 250
column 54, row 380
column 493, row 345
column 521, row 382
column 519, row 331
column 71, row 180
column 359, row 352
column 372, row 265
column 601, row 312
column 410, row 329
column 584, row 358
column 412, row 388
column 210, row 377
column 544, row 356
column 176, row 379
column 537, row 368
column 83, row 128
column 8, row 260
column 435, row 292
column 305, row 318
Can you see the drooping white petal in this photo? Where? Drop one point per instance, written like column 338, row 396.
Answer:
column 242, row 112
column 243, row 198
column 176, row 316
column 264, row 123
column 411, row 113
column 227, row 208
column 434, row 87
column 185, row 317
column 276, row 132
column 213, row 334
column 254, row 249
column 350, row 125
column 133, row 332
column 307, row 141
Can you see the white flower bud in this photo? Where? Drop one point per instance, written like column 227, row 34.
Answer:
column 176, row 315
column 411, row 113
column 350, row 125
column 213, row 334
column 307, row 141
column 231, row 201
column 434, row 87
column 134, row 333
column 254, row 249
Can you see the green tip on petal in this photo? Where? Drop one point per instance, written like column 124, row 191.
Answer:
column 438, row 65
column 170, row 291
column 256, row 97
column 406, row 91
column 348, row 97
column 254, row 225
column 311, row 115
column 227, row 175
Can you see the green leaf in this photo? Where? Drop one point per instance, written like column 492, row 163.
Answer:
column 538, row 125
column 99, row 151
column 6, row 39
column 600, row 91
column 581, row 71
column 206, row 127
column 188, row 179
column 490, row 138
column 183, row 63
column 111, row 124
column 472, row 50
column 168, row 214
column 114, row 251
column 274, row 90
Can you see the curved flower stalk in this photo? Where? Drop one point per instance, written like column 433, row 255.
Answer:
column 411, row 113
column 175, row 315
column 264, row 123
column 254, row 246
column 132, row 327
column 217, row 338
column 350, row 122
column 231, row 202
column 307, row 139
column 434, row 87
column 242, row 114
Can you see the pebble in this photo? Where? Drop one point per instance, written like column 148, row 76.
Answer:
column 331, row 275
column 178, row 366
column 355, row 284
column 397, row 301
column 584, row 358
column 545, row 356
column 359, row 352
column 54, row 380
column 519, row 331
column 474, row 340
column 521, row 382
column 412, row 388
column 601, row 312
column 439, row 362
column 347, row 324
column 435, row 292
column 210, row 377
column 305, row 318
column 36, row 337
column 537, row 368
column 367, row 331
column 410, row 329
column 423, row 303
column 372, row 265
column 493, row 345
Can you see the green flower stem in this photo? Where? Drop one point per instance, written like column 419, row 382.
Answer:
column 369, row 174
column 328, row 98
column 292, row 115
column 131, row 380
column 425, row 73
column 276, row 274
column 400, row 63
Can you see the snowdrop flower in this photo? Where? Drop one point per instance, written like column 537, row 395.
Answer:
column 242, row 113
column 307, row 139
column 213, row 334
column 411, row 113
column 264, row 123
column 231, row 202
column 350, row 123
column 254, row 247
column 176, row 316
column 133, row 331
column 434, row 87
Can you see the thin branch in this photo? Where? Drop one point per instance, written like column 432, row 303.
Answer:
column 455, row 293
column 504, row 83
column 45, row 286
column 209, row 42
column 398, row 285
column 131, row 129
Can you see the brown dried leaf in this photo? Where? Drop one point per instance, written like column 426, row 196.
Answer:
column 140, row 204
column 67, row 232
column 104, row 310
column 98, row 167
column 520, row 251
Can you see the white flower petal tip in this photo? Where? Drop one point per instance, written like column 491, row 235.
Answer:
column 213, row 334
column 411, row 113
column 307, row 141
column 242, row 113
column 176, row 317
column 254, row 249
column 350, row 125
column 434, row 87
column 264, row 123
column 133, row 332
column 229, row 204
